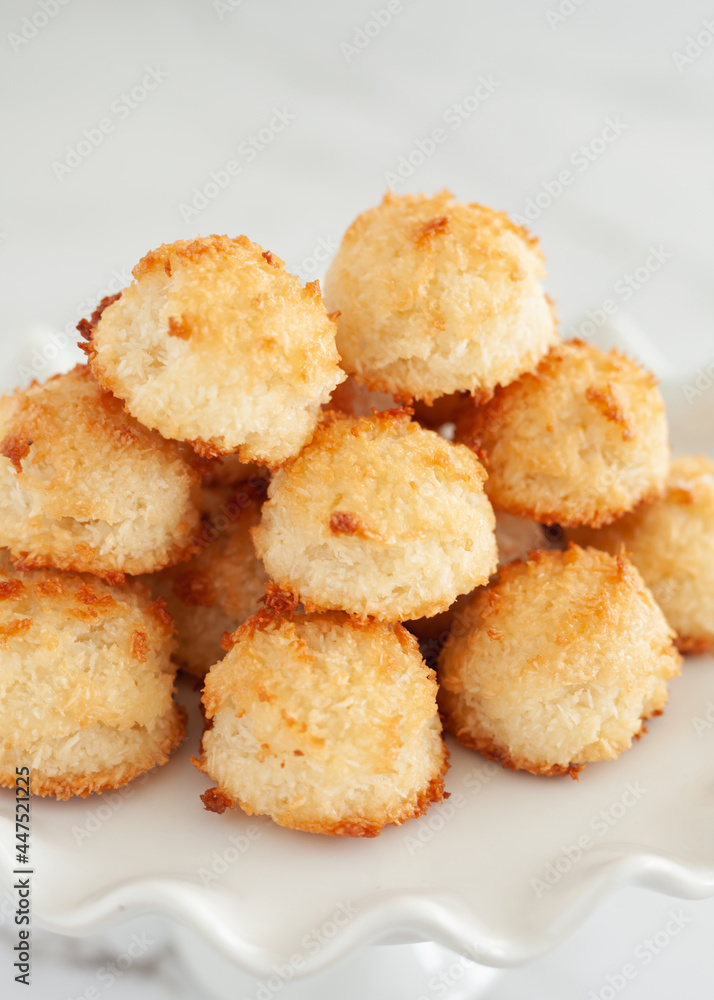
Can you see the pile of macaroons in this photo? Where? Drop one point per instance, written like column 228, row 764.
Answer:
column 281, row 494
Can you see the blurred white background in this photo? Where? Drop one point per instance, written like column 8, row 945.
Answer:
column 590, row 118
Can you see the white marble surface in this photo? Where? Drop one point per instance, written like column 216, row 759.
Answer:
column 644, row 199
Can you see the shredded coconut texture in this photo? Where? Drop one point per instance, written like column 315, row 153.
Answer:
column 436, row 297
column 85, row 487
column 564, row 657
column 217, row 344
column 671, row 542
column 582, row 440
column 324, row 724
column 378, row 517
column 86, row 682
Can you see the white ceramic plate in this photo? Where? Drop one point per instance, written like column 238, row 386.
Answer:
column 502, row 871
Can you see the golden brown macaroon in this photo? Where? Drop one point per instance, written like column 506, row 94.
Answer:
column 324, row 724
column 581, row 440
column 86, row 682
column 215, row 343
column 436, row 296
column 378, row 517
column 221, row 587
column 671, row 542
column 567, row 655
column 85, row 487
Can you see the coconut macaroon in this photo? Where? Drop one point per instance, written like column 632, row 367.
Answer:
column 378, row 517
column 568, row 653
column 85, row 487
column 671, row 542
column 324, row 724
column 221, row 587
column 582, row 440
column 217, row 344
column 436, row 297
column 86, row 683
